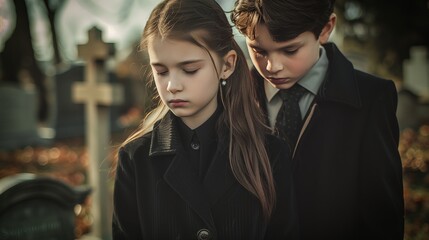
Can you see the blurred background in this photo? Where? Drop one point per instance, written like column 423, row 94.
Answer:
column 45, row 46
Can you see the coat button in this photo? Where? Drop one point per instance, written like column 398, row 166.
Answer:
column 203, row 234
column 195, row 146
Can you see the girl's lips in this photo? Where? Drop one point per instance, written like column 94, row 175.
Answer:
column 177, row 103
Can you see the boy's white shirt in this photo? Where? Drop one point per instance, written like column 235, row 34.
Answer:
column 311, row 81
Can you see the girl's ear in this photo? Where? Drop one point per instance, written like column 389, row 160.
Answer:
column 327, row 29
column 229, row 61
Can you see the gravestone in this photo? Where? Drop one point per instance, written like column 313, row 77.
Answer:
column 98, row 95
column 416, row 72
column 34, row 207
column 18, row 118
column 407, row 110
column 413, row 96
column 69, row 119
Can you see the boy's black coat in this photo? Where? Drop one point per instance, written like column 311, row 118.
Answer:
column 347, row 169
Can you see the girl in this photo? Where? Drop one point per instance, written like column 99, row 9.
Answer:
column 202, row 165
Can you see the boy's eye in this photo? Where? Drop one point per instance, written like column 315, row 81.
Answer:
column 259, row 53
column 290, row 52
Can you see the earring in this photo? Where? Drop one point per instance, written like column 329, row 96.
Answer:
column 223, row 82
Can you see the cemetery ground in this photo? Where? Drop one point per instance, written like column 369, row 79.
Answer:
column 67, row 161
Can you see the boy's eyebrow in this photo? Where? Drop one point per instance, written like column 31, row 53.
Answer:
column 291, row 46
column 287, row 47
column 178, row 64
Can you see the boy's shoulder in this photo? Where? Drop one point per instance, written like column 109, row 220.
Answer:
column 365, row 82
column 370, row 81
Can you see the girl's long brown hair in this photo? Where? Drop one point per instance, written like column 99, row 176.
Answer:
column 204, row 23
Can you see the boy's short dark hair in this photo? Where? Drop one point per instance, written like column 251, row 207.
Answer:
column 285, row 19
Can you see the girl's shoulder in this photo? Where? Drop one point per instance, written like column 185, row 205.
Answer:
column 137, row 144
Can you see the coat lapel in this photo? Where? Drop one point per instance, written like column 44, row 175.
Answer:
column 183, row 178
column 180, row 175
column 340, row 84
column 219, row 177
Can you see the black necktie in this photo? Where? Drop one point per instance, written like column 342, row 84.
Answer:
column 289, row 120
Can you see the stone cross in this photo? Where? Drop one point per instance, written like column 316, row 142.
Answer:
column 416, row 72
column 97, row 95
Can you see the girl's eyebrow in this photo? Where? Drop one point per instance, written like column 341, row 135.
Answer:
column 156, row 64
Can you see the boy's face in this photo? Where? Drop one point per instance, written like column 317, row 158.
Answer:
column 283, row 64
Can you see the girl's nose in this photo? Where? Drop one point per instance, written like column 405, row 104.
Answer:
column 174, row 85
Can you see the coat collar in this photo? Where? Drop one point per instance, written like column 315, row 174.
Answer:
column 340, row 84
column 181, row 175
column 164, row 137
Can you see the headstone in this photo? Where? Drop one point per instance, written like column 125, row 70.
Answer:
column 97, row 95
column 406, row 112
column 69, row 119
column 34, row 207
column 416, row 72
column 18, row 118
column 413, row 96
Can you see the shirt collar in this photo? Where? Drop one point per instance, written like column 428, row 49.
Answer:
column 206, row 132
column 311, row 81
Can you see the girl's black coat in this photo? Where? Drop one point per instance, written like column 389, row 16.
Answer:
column 158, row 194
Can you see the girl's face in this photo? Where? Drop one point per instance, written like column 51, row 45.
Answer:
column 186, row 79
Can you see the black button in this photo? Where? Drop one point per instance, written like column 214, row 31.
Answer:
column 203, row 234
column 195, row 146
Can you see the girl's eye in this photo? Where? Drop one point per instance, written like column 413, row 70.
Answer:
column 190, row 71
column 161, row 73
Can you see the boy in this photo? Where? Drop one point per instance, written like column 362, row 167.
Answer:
column 347, row 169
